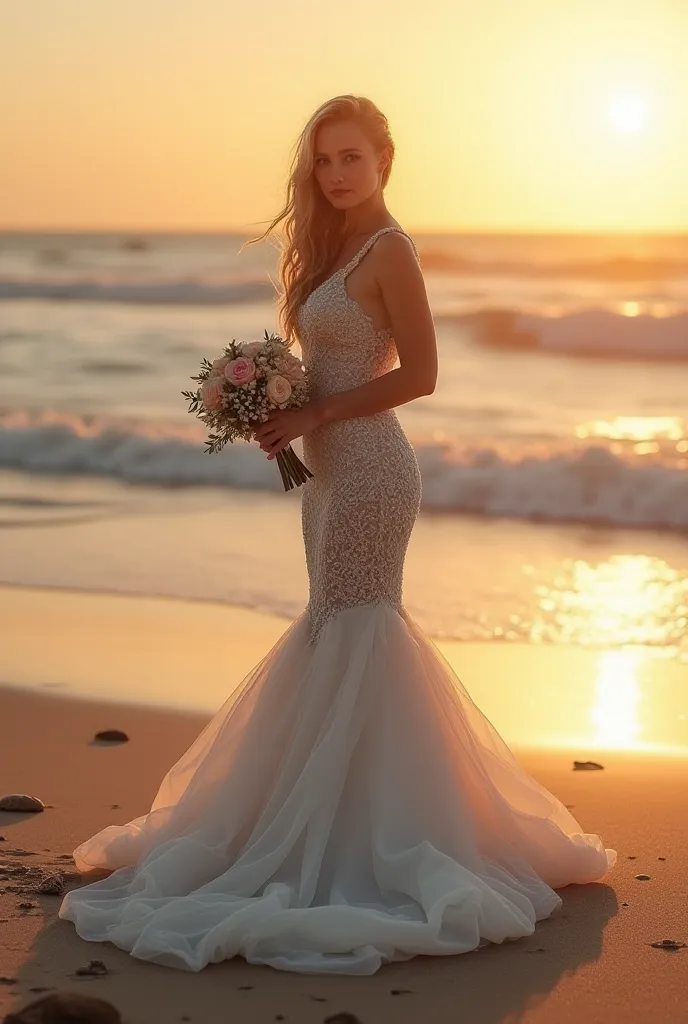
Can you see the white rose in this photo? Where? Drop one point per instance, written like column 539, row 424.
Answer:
column 278, row 389
column 251, row 348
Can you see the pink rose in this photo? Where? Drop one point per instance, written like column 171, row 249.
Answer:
column 211, row 393
column 251, row 348
column 278, row 389
column 219, row 366
column 240, row 371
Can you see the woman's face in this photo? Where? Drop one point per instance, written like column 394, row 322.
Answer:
column 346, row 165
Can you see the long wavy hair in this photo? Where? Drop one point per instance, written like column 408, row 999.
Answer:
column 313, row 228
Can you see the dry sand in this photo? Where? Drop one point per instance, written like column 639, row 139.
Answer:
column 590, row 962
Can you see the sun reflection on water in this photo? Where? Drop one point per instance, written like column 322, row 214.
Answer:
column 626, row 599
column 640, row 429
column 614, row 713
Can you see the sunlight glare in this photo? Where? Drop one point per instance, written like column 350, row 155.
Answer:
column 615, row 712
column 628, row 112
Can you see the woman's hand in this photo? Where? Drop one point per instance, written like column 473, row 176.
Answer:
column 282, row 427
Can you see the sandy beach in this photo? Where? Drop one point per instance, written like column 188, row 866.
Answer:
column 73, row 664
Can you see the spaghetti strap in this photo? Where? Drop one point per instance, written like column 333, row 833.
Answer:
column 369, row 244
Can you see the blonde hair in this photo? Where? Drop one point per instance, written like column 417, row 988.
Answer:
column 313, row 228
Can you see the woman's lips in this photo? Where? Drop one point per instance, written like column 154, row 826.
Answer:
column 339, row 191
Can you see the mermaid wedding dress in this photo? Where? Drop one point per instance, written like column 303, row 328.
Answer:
column 348, row 805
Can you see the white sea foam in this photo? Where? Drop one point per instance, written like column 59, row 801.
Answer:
column 593, row 332
column 588, row 483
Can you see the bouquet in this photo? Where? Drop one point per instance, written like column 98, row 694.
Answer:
column 239, row 390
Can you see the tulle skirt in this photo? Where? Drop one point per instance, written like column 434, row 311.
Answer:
column 348, row 806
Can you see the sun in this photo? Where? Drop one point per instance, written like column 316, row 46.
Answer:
column 628, row 112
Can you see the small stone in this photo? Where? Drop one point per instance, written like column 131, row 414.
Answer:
column 342, row 1018
column 112, row 736
column 631, row 856
column 643, row 878
column 51, row 885
column 66, row 1007
column 625, row 904
column 94, row 968
column 114, row 807
column 245, row 987
column 670, row 944
column 2, row 839
column 661, row 858
column 587, row 766
column 19, row 802
column 26, row 906
column 4, row 980
column 318, row 999
column 401, row 991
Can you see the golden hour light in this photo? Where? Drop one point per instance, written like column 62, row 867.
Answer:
column 344, row 510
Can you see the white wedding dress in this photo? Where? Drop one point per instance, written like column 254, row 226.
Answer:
column 351, row 806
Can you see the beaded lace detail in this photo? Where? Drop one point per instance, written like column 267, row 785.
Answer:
column 359, row 509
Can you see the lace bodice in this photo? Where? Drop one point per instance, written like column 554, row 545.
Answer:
column 360, row 506
column 340, row 345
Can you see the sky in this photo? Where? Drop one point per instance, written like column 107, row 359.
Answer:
column 507, row 115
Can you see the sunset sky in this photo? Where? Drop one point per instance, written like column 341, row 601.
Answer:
column 507, row 114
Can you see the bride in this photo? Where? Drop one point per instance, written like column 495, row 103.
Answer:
column 349, row 805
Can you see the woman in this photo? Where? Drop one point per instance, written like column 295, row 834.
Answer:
column 352, row 805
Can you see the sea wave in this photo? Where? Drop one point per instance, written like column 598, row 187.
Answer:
column 188, row 291
column 618, row 268
column 586, row 483
column 594, row 332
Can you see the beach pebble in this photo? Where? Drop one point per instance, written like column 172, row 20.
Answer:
column 51, row 885
column 26, row 906
column 112, row 735
column 94, row 968
column 670, row 944
column 20, row 802
column 2, row 839
column 587, row 766
column 66, row 1008
column 643, row 878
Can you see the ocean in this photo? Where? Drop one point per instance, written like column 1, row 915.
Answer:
column 554, row 451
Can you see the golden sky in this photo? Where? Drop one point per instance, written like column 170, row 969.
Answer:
column 507, row 114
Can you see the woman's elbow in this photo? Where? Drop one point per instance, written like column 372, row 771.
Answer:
column 428, row 383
